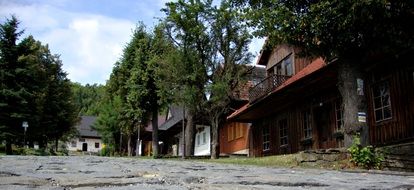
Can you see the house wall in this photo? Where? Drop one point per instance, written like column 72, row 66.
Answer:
column 400, row 128
column 90, row 142
column 237, row 145
column 323, row 123
column 202, row 141
column 281, row 51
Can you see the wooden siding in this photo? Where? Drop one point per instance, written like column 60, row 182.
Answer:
column 280, row 52
column 322, row 132
column 400, row 127
column 236, row 144
column 301, row 63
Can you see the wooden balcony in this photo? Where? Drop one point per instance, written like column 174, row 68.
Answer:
column 266, row 86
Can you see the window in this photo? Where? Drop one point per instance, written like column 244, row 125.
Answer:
column 204, row 138
column 283, row 134
column 239, row 130
column 96, row 145
column 230, row 132
column 339, row 112
column 235, row 131
column 266, row 138
column 287, row 62
column 284, row 67
column 307, row 124
column 382, row 101
column 81, row 140
column 73, row 143
column 198, row 139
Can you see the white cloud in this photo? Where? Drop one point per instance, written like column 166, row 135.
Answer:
column 255, row 47
column 89, row 44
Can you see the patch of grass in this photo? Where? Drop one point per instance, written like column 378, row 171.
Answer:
column 268, row 161
column 282, row 161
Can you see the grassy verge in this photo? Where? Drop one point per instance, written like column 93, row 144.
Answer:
column 284, row 161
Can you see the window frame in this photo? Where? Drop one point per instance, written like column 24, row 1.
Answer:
column 281, row 68
column 204, row 137
column 97, row 144
column 230, row 132
column 283, row 133
column 198, row 139
column 266, row 138
column 307, row 124
column 381, row 107
column 339, row 121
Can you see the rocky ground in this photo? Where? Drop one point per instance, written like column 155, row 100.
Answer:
column 90, row 172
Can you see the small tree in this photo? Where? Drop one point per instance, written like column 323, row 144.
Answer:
column 186, row 69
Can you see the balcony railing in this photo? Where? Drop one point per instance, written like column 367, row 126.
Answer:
column 265, row 86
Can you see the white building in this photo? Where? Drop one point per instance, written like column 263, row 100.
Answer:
column 202, row 141
column 89, row 139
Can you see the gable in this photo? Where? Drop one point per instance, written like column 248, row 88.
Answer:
column 278, row 54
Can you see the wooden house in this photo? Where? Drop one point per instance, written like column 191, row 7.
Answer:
column 297, row 106
column 171, row 134
column 145, row 144
column 234, row 136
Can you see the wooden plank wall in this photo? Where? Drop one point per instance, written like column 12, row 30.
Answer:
column 295, row 128
column 241, row 143
column 400, row 127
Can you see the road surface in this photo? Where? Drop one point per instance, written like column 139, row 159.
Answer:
column 91, row 172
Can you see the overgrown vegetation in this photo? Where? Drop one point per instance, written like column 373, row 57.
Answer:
column 366, row 157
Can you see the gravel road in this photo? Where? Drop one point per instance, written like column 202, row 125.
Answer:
column 91, row 172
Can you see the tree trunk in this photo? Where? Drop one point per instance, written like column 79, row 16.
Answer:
column 353, row 100
column 155, row 145
column 138, row 148
column 56, row 144
column 215, row 151
column 129, row 145
column 189, row 134
column 120, row 144
column 42, row 143
column 8, row 147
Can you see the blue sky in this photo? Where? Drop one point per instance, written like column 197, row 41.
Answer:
column 88, row 34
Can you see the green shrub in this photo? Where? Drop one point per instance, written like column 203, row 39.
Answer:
column 366, row 157
column 108, row 150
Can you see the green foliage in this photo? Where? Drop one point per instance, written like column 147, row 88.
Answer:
column 212, row 42
column 34, row 89
column 88, row 98
column 335, row 28
column 107, row 151
column 366, row 157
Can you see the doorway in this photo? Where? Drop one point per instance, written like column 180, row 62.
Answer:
column 85, row 147
column 322, row 124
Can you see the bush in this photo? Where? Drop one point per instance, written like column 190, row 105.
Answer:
column 366, row 157
column 108, row 150
column 30, row 151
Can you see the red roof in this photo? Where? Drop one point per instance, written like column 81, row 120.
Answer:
column 312, row 67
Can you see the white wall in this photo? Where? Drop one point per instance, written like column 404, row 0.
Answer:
column 91, row 144
column 202, row 141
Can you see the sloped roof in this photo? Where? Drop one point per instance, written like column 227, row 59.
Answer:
column 161, row 120
column 85, row 127
column 176, row 117
column 308, row 70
